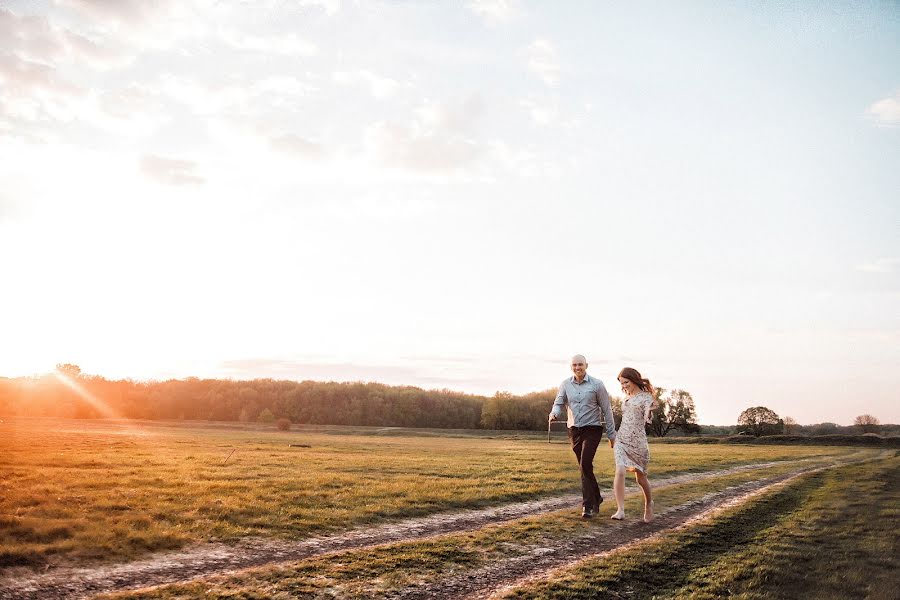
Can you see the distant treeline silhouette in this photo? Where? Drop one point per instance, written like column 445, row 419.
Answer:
column 69, row 393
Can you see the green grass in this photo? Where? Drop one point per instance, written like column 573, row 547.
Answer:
column 377, row 572
column 829, row 535
column 92, row 491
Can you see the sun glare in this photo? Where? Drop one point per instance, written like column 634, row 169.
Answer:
column 105, row 409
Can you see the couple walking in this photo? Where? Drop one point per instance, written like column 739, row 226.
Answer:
column 587, row 405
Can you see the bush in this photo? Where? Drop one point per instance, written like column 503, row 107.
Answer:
column 283, row 424
column 266, row 416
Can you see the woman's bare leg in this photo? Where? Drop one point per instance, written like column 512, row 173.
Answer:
column 648, row 497
column 619, row 492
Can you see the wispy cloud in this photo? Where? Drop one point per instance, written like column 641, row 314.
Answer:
column 294, row 144
column 880, row 265
column 494, row 10
column 120, row 11
column 286, row 45
column 170, row 170
column 380, row 87
column 886, row 112
column 540, row 113
column 331, row 7
column 439, row 137
column 543, row 61
column 35, row 38
column 25, row 78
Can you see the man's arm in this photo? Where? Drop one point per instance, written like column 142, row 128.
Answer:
column 560, row 401
column 608, row 418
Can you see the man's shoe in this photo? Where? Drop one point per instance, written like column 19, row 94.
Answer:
column 587, row 513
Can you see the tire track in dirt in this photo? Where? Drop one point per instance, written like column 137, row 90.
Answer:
column 539, row 563
column 218, row 558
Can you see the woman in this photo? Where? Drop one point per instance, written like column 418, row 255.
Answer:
column 631, row 450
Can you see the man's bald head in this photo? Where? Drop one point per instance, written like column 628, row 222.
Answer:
column 579, row 367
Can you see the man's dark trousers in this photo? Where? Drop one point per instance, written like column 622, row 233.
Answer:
column 584, row 444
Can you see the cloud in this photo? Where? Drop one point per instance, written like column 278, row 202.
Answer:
column 494, row 10
column 540, row 113
column 285, row 45
column 331, row 7
column 132, row 12
column 203, row 98
column 543, row 61
column 35, row 99
column 34, row 38
column 29, row 36
column 136, row 26
column 171, row 171
column 439, row 137
column 24, row 77
column 294, row 144
column 379, row 87
column 881, row 265
column 35, row 96
column 886, row 112
column 133, row 99
column 237, row 97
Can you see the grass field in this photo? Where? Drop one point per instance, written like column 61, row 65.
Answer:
column 753, row 548
column 830, row 535
column 83, row 492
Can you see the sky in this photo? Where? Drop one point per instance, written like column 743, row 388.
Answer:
column 458, row 195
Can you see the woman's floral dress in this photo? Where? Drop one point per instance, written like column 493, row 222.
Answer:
column 631, row 450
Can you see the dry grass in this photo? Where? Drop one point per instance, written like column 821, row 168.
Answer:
column 829, row 535
column 382, row 571
column 86, row 491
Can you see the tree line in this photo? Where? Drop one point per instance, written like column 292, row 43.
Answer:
column 761, row 421
column 69, row 393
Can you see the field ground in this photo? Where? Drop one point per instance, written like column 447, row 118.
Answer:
column 831, row 534
column 89, row 494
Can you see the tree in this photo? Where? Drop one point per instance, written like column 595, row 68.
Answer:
column 867, row 423
column 760, row 420
column 615, row 403
column 490, row 413
column 69, row 370
column 266, row 416
column 674, row 411
column 790, row 425
column 682, row 412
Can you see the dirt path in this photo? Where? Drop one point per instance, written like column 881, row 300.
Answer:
column 494, row 580
column 215, row 558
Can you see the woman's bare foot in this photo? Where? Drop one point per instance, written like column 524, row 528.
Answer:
column 648, row 512
column 618, row 515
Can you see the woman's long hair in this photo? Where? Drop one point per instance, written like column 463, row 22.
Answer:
column 634, row 377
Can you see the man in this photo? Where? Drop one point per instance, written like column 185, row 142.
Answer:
column 584, row 398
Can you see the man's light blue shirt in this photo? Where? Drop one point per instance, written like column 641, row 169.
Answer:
column 584, row 402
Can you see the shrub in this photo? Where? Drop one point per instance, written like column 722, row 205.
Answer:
column 283, row 424
column 266, row 416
